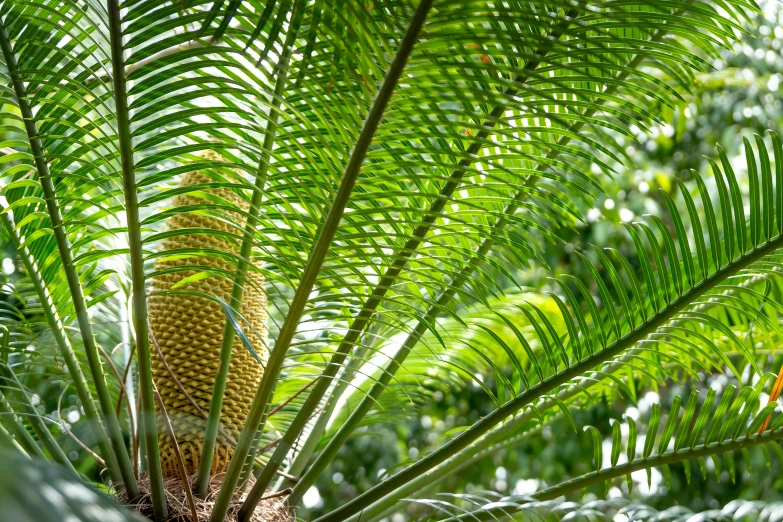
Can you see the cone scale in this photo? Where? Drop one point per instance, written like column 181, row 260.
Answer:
column 189, row 328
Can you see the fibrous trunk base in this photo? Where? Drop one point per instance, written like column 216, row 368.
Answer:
column 269, row 510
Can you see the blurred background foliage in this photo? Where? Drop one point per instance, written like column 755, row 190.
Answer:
column 740, row 96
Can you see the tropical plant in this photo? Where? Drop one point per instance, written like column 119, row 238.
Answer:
column 285, row 215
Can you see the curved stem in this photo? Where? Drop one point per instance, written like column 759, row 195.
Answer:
column 178, row 454
column 238, row 288
column 67, row 429
column 548, row 385
column 321, row 248
column 71, row 275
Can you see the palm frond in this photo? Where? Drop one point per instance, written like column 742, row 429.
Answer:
column 653, row 367
column 386, row 160
column 627, row 318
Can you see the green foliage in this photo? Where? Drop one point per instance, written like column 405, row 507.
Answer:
column 606, row 509
column 411, row 172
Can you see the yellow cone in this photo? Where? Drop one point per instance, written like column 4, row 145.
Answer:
column 189, row 329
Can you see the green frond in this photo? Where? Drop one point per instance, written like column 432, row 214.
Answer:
column 392, row 162
column 625, row 325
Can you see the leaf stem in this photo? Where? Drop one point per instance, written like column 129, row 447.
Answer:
column 317, row 257
column 546, row 386
column 148, row 423
column 71, row 275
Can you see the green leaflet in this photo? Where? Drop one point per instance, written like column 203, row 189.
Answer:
column 486, row 143
column 702, row 448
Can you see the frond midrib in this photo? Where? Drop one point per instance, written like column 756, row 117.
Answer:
column 551, row 383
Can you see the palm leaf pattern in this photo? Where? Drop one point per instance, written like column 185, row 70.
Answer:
column 386, row 158
column 530, row 509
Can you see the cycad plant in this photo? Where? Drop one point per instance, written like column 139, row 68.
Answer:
column 242, row 227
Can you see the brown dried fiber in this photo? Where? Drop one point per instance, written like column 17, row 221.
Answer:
column 268, row 510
